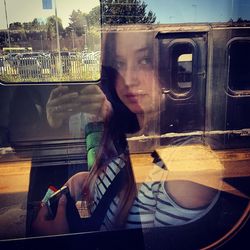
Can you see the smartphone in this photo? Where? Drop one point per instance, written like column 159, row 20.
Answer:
column 72, row 214
column 52, row 202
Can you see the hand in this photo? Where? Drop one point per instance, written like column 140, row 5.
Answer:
column 59, row 225
column 93, row 101
column 61, row 105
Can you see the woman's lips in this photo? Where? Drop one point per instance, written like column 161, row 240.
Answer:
column 134, row 97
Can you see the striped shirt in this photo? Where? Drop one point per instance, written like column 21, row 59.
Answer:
column 152, row 206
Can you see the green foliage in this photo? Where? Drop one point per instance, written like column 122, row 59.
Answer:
column 81, row 25
column 51, row 26
column 35, row 24
column 94, row 17
column 93, row 38
column 16, row 26
column 78, row 20
column 125, row 12
column 81, row 22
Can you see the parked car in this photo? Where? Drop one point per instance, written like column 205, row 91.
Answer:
column 29, row 65
column 90, row 58
column 65, row 60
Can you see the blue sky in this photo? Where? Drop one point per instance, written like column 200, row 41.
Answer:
column 167, row 11
column 27, row 10
column 178, row 11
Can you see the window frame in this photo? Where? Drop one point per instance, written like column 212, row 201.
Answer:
column 229, row 89
column 174, row 84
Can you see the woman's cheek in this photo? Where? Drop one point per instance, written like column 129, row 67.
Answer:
column 119, row 84
column 146, row 75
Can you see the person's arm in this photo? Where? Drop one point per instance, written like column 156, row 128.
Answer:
column 189, row 194
column 75, row 184
column 59, row 225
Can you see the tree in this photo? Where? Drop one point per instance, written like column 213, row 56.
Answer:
column 51, row 26
column 27, row 25
column 78, row 21
column 126, row 12
column 35, row 24
column 93, row 18
column 15, row 26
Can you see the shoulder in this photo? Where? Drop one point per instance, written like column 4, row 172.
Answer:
column 112, row 168
column 190, row 195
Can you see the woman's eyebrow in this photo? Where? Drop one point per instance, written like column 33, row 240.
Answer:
column 120, row 57
column 142, row 50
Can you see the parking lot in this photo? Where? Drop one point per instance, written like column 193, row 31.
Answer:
column 42, row 67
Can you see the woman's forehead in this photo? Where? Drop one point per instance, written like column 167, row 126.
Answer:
column 132, row 41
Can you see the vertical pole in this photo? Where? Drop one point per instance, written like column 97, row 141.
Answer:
column 232, row 10
column 58, row 42
column 41, row 37
column 85, row 38
column 73, row 39
column 7, row 23
column 195, row 11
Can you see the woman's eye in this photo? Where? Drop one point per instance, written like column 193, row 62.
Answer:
column 119, row 64
column 145, row 61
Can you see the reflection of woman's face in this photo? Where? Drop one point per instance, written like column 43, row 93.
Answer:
column 136, row 86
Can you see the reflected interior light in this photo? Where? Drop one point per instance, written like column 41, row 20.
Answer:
column 190, row 158
column 195, row 163
column 185, row 58
column 14, row 176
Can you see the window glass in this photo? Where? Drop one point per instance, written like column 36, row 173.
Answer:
column 239, row 65
column 182, row 68
column 50, row 41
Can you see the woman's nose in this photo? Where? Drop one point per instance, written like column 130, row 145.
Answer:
column 131, row 76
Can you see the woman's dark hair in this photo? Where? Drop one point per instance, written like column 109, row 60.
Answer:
column 122, row 119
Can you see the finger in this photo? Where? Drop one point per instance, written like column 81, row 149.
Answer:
column 69, row 107
column 43, row 212
column 62, row 116
column 92, row 108
column 58, row 91
column 61, row 209
column 66, row 98
column 91, row 89
column 93, row 98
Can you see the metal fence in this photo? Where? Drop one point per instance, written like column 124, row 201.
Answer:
column 52, row 68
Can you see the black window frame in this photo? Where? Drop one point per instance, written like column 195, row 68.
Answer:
column 231, row 87
column 174, row 74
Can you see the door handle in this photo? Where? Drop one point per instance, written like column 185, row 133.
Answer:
column 165, row 91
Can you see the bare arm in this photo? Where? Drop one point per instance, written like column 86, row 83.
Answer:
column 189, row 194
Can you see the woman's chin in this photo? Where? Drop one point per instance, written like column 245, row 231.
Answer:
column 137, row 110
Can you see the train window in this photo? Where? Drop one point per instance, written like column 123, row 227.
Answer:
column 50, row 41
column 239, row 65
column 182, row 68
column 184, row 71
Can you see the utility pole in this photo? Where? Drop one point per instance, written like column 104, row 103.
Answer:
column 73, row 39
column 7, row 23
column 58, row 41
column 232, row 10
column 195, row 11
column 85, row 37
